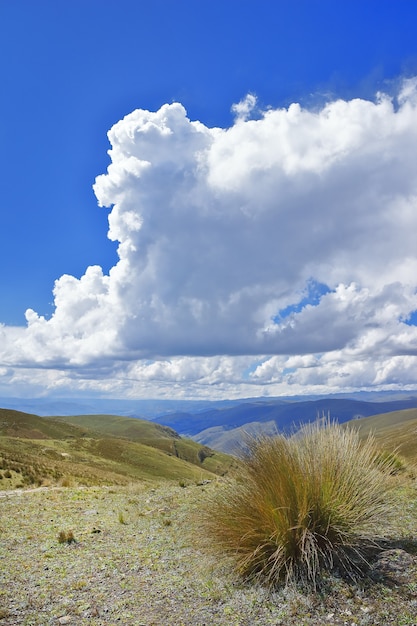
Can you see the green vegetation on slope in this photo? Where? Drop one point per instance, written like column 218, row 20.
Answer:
column 395, row 431
column 131, row 428
column 91, row 450
column 28, row 426
column 154, row 435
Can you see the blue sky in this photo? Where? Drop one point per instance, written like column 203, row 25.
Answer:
column 71, row 71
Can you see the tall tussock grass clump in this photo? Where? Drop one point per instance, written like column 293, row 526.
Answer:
column 302, row 505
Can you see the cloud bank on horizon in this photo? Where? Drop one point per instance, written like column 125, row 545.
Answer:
column 272, row 257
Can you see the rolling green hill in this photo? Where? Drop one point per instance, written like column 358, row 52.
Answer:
column 98, row 450
column 28, row 426
column 151, row 434
column 119, row 426
column 394, row 431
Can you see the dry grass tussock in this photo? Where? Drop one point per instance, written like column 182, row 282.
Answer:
column 303, row 505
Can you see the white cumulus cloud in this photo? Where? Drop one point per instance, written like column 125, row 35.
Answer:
column 222, row 232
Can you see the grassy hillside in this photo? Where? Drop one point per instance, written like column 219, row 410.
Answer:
column 394, row 431
column 98, row 450
column 119, row 426
column 154, row 435
column 29, row 426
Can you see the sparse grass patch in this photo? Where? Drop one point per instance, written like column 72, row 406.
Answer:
column 79, row 585
column 67, row 481
column 302, row 505
column 66, row 536
column 122, row 519
column 159, row 575
column 396, row 464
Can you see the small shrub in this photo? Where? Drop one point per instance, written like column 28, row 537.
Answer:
column 66, row 537
column 79, row 585
column 122, row 518
column 67, row 481
column 182, row 483
column 7, row 474
column 301, row 505
column 204, row 453
column 29, row 479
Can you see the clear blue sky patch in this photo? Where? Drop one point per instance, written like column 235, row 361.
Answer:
column 311, row 296
column 411, row 319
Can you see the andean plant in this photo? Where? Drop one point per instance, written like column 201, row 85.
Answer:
column 302, row 505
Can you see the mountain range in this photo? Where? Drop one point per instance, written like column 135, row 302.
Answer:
column 225, row 428
column 223, row 424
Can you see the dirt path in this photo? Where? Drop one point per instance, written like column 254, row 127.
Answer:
column 18, row 492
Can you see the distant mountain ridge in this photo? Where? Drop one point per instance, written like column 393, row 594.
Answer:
column 141, row 408
column 223, row 429
column 221, row 424
column 151, row 408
